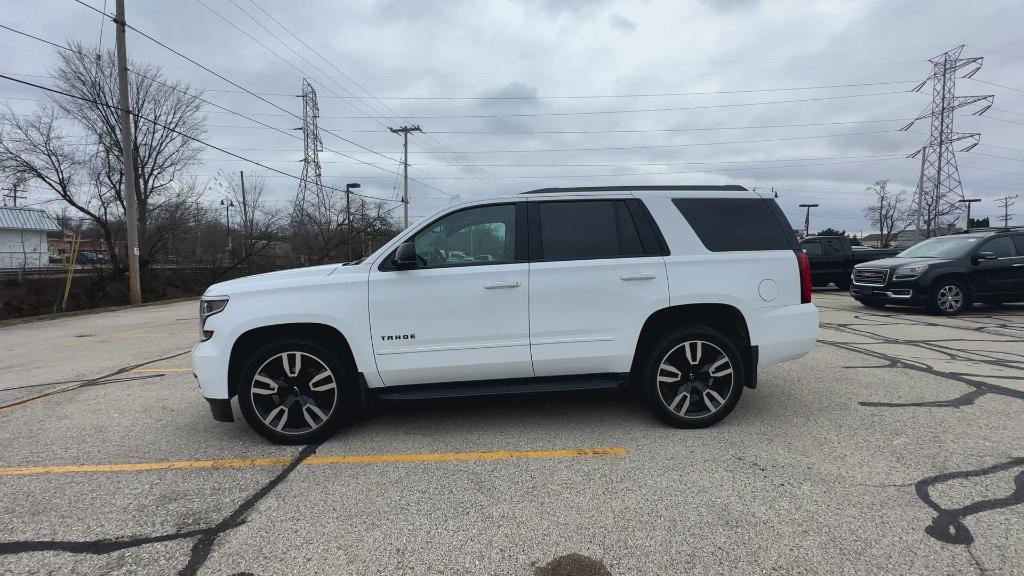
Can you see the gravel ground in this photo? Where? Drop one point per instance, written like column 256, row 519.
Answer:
column 895, row 447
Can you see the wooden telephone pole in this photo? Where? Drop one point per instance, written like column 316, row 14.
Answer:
column 131, row 208
column 404, row 131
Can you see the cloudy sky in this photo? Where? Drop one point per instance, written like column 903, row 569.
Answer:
column 806, row 97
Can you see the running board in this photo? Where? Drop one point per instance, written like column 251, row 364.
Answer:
column 500, row 387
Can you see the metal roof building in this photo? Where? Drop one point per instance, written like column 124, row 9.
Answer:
column 23, row 237
column 26, row 219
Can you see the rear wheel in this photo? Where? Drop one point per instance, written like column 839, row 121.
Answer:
column 949, row 298
column 843, row 284
column 296, row 392
column 693, row 377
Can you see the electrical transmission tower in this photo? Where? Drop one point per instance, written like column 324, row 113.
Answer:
column 311, row 187
column 939, row 187
column 1006, row 202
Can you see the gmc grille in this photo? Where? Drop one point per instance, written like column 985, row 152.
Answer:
column 870, row 276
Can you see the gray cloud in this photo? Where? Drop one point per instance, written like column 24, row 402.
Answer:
column 621, row 23
column 534, row 50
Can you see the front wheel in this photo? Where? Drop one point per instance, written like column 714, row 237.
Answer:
column 693, row 377
column 949, row 298
column 296, row 392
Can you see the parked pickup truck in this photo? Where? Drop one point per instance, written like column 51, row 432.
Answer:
column 833, row 258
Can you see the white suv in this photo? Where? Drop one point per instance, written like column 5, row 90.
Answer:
column 681, row 291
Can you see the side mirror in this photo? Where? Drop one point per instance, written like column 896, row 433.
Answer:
column 405, row 256
column 984, row 256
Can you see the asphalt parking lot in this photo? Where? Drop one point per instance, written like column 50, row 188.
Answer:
column 895, row 447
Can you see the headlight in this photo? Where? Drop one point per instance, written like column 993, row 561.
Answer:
column 208, row 307
column 912, row 270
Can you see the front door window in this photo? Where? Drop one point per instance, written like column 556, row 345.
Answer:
column 483, row 235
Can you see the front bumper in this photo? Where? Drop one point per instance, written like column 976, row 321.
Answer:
column 898, row 292
column 210, row 367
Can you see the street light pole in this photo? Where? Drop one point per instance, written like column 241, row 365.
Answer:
column 348, row 213
column 969, row 201
column 807, row 218
column 227, row 218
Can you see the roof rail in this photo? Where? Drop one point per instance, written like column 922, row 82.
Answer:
column 687, row 188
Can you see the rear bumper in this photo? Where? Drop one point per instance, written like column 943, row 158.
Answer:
column 784, row 333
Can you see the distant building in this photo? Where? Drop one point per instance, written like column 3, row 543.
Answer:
column 23, row 237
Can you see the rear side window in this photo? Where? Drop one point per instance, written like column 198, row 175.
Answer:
column 812, row 247
column 736, row 224
column 1018, row 239
column 587, row 229
column 1002, row 247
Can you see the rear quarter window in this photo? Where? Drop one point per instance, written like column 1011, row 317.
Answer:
column 737, row 224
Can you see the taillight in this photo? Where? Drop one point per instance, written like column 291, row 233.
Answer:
column 805, row 276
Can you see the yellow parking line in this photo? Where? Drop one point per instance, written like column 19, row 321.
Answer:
column 285, row 460
column 162, row 370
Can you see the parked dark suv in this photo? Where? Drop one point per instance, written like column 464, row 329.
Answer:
column 948, row 273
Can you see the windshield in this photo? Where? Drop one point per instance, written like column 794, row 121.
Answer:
column 944, row 247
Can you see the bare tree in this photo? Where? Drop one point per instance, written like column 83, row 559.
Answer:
column 320, row 228
column 85, row 169
column 890, row 211
column 258, row 222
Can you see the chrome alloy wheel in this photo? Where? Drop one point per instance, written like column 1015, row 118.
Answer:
column 695, row 378
column 294, row 392
column 950, row 298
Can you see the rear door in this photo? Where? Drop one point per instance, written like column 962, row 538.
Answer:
column 596, row 273
column 999, row 276
column 1017, row 268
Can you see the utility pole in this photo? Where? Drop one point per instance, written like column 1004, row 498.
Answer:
column 404, row 131
column 807, row 219
column 199, row 227
column 131, row 207
column 1007, row 202
column 969, row 201
column 244, row 220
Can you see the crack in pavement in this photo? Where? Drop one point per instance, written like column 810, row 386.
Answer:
column 948, row 526
column 99, row 380
column 201, row 548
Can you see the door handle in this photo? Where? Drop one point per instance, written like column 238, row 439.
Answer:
column 501, row 284
column 637, row 276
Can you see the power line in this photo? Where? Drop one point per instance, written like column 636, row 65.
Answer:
column 166, row 127
column 427, row 137
column 630, row 111
column 867, row 159
column 207, row 101
column 271, row 33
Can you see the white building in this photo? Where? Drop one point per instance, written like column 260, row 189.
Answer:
column 23, row 237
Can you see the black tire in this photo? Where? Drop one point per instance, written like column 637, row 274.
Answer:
column 280, row 388
column 949, row 297
column 688, row 404
column 843, row 284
